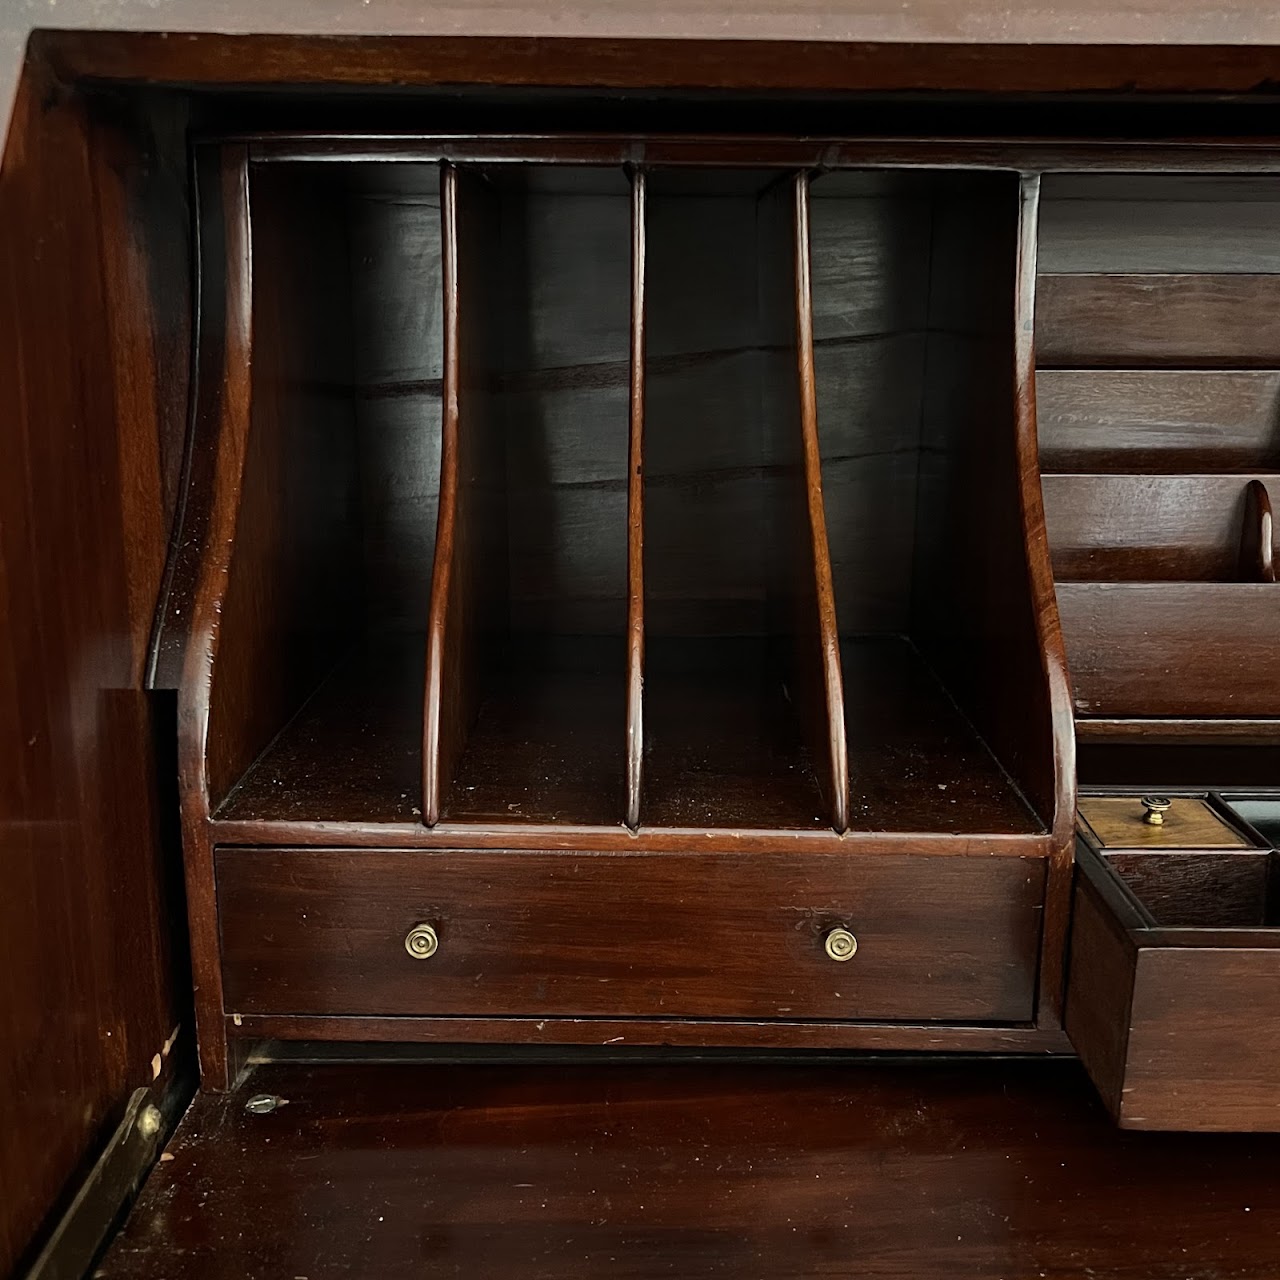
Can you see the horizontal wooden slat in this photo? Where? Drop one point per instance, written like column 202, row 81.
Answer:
column 1213, row 320
column 1158, row 419
column 1166, row 223
column 1135, row 528
column 1172, row 649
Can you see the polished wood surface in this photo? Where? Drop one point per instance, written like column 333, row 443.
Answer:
column 586, row 935
column 982, row 1170
column 94, row 330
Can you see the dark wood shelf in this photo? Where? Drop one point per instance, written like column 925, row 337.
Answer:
column 723, row 745
column 353, row 753
column 915, row 761
column 548, row 745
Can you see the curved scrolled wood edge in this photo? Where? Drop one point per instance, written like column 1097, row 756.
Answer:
column 222, row 411
column 1045, row 603
column 1257, row 542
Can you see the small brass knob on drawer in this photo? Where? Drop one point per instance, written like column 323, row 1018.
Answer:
column 841, row 944
column 421, row 942
column 1156, row 807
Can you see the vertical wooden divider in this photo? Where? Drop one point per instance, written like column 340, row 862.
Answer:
column 635, row 508
column 816, row 677
column 468, row 589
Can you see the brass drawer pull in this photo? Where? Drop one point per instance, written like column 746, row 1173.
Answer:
column 1156, row 807
column 421, row 942
column 841, row 944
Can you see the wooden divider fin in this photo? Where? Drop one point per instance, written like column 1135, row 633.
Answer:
column 1257, row 543
column 471, row 526
column 635, row 508
column 816, row 624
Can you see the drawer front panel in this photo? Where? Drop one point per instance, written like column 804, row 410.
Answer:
column 308, row 931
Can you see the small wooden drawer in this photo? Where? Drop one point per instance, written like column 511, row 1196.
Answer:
column 1173, row 992
column 938, row 938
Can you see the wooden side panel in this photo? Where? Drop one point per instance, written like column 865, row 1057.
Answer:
column 93, row 369
column 1226, row 321
column 594, row 935
column 1151, row 528
column 1172, row 649
column 469, row 584
column 804, row 600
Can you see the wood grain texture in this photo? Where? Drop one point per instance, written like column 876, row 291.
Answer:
column 1159, row 420
column 1172, row 649
column 1152, row 528
column 582, row 935
column 983, row 1170
column 1198, row 890
column 92, row 378
column 1215, row 321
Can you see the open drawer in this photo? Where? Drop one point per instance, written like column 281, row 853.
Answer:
column 1173, row 993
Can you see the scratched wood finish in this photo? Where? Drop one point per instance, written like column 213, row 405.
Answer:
column 581, row 935
column 1176, row 1025
column 934, row 1170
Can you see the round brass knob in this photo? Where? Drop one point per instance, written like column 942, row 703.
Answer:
column 841, row 944
column 421, row 942
column 1156, row 807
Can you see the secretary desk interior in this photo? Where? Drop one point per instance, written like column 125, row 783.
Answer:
column 645, row 590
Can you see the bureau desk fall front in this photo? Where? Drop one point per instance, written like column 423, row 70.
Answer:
column 618, row 571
